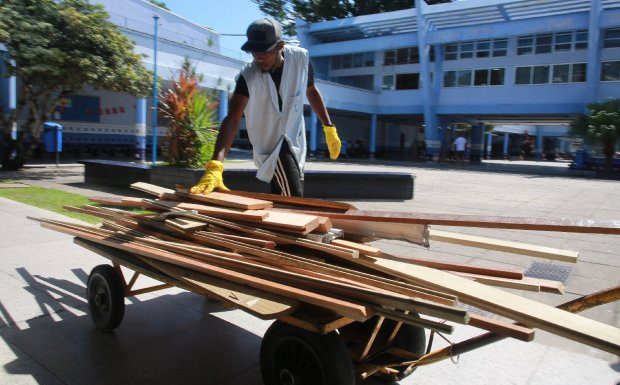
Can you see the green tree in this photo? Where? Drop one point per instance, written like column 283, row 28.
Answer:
column 286, row 11
column 602, row 125
column 58, row 47
column 191, row 113
column 160, row 4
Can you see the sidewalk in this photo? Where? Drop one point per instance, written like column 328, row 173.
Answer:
column 174, row 337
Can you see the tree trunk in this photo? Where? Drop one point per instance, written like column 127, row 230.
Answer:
column 609, row 150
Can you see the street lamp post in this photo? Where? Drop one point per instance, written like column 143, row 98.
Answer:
column 155, row 99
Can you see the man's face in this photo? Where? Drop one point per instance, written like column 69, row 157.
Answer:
column 266, row 60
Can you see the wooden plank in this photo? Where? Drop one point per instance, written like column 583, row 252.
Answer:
column 531, row 313
column 502, row 328
column 325, row 224
column 316, row 319
column 294, row 201
column 504, row 246
column 219, row 212
column 261, row 304
column 118, row 201
column 526, row 283
column 485, row 221
column 183, row 224
column 13, row 185
column 227, row 200
column 363, row 249
column 348, row 309
column 250, row 241
column 414, row 233
column 151, row 189
column 482, row 271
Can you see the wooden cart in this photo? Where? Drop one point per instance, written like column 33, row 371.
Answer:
column 306, row 343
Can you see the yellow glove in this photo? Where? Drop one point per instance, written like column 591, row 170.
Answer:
column 333, row 142
column 211, row 180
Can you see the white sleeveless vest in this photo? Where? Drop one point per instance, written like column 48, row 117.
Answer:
column 267, row 127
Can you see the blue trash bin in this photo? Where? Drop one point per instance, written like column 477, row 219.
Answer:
column 52, row 137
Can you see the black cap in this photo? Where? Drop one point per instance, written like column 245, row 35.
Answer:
column 263, row 35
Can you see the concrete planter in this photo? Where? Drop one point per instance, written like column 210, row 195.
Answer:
column 317, row 184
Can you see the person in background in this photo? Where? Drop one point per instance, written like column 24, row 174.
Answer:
column 270, row 91
column 460, row 144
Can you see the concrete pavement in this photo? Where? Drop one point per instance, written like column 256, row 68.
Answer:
column 176, row 337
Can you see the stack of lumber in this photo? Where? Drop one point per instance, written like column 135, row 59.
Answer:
column 281, row 254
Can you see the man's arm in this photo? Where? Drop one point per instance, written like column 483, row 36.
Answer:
column 229, row 127
column 316, row 102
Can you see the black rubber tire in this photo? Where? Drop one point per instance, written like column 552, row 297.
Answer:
column 293, row 356
column 106, row 300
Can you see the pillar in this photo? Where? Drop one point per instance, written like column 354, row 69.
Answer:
column 539, row 142
column 475, row 149
column 431, row 122
column 594, row 50
column 222, row 108
column 489, row 149
column 314, row 121
column 506, row 141
column 141, row 129
column 372, row 146
column 9, row 97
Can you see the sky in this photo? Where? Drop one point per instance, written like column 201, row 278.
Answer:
column 223, row 16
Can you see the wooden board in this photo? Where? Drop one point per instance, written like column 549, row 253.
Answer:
column 482, row 271
column 504, row 246
column 258, row 303
column 485, row 221
column 363, row 249
column 151, row 189
column 294, row 201
column 525, row 283
column 227, row 200
column 13, row 185
column 414, row 233
column 531, row 313
column 219, row 212
column 185, row 224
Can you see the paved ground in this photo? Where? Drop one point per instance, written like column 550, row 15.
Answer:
column 175, row 337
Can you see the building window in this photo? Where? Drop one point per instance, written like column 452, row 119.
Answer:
column 466, row 50
column 388, row 82
column 578, row 72
column 612, row 38
column 541, row 75
column 523, row 75
column 500, row 47
column 563, row 42
column 610, row 71
column 402, row 56
column 356, row 60
column 561, row 73
column 543, row 43
column 449, row 79
column 389, row 58
column 451, row 52
column 369, row 59
column 347, row 61
column 336, row 62
column 481, row 77
column 525, row 45
column 408, row 81
column 547, row 43
column 581, row 40
column 483, row 49
column 464, row 78
column 497, row 76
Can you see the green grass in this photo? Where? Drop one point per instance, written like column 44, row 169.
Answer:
column 52, row 200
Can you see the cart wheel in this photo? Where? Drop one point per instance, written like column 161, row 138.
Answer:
column 293, row 356
column 105, row 297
